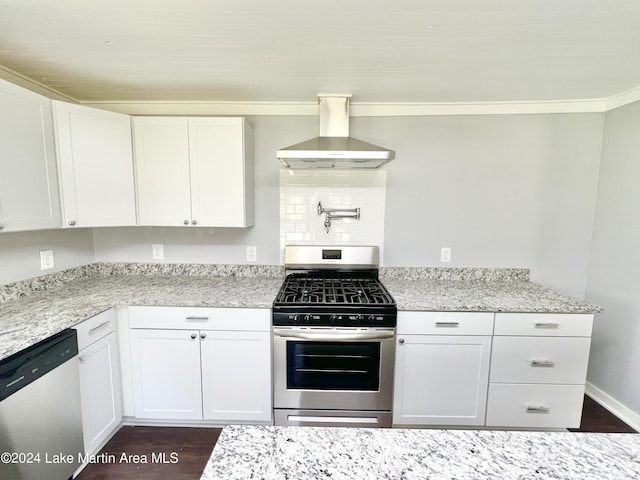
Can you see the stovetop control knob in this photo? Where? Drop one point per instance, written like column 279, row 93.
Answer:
column 333, row 318
column 372, row 319
column 307, row 317
column 359, row 318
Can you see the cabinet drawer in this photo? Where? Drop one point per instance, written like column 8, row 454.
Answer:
column 539, row 360
column 445, row 323
column 544, row 324
column 96, row 327
column 200, row 318
column 542, row 406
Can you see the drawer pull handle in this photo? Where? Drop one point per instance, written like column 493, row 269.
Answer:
column 447, row 324
column 98, row 327
column 537, row 409
column 542, row 363
column 547, row 325
column 198, row 319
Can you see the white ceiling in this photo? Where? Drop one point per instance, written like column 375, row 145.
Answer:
column 290, row 50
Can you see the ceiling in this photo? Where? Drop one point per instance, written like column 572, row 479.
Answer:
column 290, row 50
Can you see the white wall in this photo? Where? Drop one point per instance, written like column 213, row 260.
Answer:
column 20, row 252
column 613, row 280
column 500, row 190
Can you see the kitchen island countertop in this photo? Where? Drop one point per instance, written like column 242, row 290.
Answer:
column 316, row 453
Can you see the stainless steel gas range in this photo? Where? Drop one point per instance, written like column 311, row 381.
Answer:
column 334, row 339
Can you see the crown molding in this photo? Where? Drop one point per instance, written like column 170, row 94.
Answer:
column 26, row 82
column 624, row 98
column 357, row 109
column 208, row 108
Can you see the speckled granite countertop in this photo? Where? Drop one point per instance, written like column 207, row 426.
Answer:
column 316, row 453
column 482, row 296
column 32, row 310
column 35, row 317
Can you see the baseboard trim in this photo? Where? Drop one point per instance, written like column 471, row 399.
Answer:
column 620, row 410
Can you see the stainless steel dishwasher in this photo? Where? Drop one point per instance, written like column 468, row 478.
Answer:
column 40, row 413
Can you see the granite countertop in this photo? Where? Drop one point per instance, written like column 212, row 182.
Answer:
column 482, row 296
column 26, row 321
column 36, row 309
column 316, row 453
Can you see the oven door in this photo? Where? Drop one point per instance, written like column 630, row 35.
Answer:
column 333, row 368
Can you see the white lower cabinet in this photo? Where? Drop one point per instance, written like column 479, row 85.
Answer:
column 166, row 374
column 441, row 378
column 201, row 364
column 236, row 375
column 534, row 405
column 99, row 380
column 538, row 370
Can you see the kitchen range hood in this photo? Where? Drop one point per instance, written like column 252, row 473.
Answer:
column 334, row 148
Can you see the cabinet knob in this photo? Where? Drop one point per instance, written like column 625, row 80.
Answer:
column 194, row 222
column 1, row 226
column 72, row 222
column 186, row 222
column 401, row 340
column 203, row 335
column 193, row 336
column 81, row 358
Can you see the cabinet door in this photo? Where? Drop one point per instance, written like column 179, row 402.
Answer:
column 96, row 166
column 161, row 146
column 236, row 376
column 166, row 374
column 100, row 392
column 221, row 156
column 441, row 380
column 28, row 181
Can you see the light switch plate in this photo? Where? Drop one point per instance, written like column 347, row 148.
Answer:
column 157, row 250
column 252, row 254
column 46, row 259
column 445, row 254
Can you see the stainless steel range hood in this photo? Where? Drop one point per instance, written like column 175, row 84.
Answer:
column 334, row 148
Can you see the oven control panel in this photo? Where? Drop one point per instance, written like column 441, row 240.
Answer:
column 335, row 319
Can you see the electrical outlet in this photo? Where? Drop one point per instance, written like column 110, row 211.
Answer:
column 46, row 259
column 252, row 254
column 445, row 254
column 157, row 250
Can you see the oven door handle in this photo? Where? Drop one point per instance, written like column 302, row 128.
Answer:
column 335, row 337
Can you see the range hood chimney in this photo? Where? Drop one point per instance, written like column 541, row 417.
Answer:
column 334, row 148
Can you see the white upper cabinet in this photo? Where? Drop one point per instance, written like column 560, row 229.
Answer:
column 95, row 162
column 28, row 182
column 194, row 171
column 221, row 162
column 161, row 146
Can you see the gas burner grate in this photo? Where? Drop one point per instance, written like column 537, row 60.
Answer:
column 304, row 290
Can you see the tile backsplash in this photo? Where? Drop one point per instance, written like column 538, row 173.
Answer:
column 300, row 192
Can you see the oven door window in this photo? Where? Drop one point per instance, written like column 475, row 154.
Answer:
column 333, row 365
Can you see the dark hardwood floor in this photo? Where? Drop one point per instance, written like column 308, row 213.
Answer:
column 190, row 448
column 595, row 418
